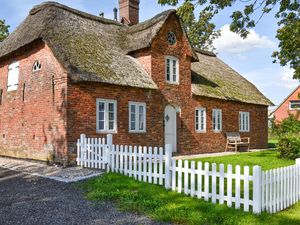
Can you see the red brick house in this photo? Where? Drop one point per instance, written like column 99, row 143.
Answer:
column 289, row 106
column 64, row 72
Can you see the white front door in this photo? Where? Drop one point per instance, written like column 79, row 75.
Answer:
column 171, row 127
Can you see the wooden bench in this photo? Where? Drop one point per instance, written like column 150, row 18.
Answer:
column 234, row 141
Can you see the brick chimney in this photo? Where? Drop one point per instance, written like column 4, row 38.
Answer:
column 129, row 11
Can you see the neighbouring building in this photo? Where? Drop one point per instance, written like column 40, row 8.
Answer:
column 289, row 106
column 64, row 72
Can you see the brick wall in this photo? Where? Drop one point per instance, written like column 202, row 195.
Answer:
column 284, row 110
column 33, row 126
column 82, row 118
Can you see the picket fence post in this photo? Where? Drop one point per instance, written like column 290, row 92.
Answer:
column 82, row 149
column 257, row 187
column 108, row 151
column 168, row 166
column 298, row 162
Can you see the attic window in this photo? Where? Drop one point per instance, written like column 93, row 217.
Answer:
column 171, row 38
column 36, row 66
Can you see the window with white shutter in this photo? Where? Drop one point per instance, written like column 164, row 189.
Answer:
column 13, row 76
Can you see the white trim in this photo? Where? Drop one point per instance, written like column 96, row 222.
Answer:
column 199, row 130
column 290, row 104
column 244, row 121
column 217, row 113
column 106, row 115
column 137, row 120
column 172, row 58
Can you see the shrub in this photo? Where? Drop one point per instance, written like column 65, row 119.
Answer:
column 290, row 125
column 289, row 146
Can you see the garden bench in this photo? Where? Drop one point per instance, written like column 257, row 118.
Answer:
column 234, row 141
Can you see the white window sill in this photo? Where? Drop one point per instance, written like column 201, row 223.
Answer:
column 137, row 132
column 200, row 131
column 244, row 131
column 172, row 83
column 106, row 131
column 217, row 131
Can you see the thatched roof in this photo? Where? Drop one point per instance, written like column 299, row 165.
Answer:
column 91, row 48
column 211, row 77
column 96, row 49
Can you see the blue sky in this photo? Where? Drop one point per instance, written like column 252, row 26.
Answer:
column 250, row 57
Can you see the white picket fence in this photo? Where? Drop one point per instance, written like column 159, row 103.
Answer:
column 280, row 188
column 270, row 191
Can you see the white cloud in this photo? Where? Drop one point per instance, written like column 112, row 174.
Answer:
column 276, row 82
column 232, row 43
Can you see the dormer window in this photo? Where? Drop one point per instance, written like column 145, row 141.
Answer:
column 36, row 66
column 172, row 70
column 13, row 76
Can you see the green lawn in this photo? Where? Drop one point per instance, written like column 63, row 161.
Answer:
column 272, row 142
column 266, row 159
column 163, row 205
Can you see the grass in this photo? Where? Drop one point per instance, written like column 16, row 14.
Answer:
column 168, row 206
column 272, row 142
column 266, row 159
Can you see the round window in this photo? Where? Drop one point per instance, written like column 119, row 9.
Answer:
column 36, row 66
column 171, row 38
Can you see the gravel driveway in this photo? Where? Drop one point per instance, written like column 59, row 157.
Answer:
column 32, row 200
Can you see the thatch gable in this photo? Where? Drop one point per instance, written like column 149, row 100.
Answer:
column 211, row 77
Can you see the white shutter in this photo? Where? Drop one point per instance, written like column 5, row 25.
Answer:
column 13, row 76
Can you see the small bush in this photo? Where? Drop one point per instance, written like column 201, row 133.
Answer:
column 290, row 125
column 289, row 146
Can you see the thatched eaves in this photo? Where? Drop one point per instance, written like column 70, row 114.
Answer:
column 212, row 78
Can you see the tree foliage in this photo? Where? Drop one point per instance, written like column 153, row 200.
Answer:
column 202, row 30
column 3, row 30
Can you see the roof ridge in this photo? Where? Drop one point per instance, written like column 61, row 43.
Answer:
column 205, row 52
column 48, row 4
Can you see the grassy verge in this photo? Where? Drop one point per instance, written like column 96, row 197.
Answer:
column 266, row 159
column 163, row 205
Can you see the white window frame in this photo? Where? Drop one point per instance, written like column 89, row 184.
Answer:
column 217, row 127
column 199, row 120
column 106, row 115
column 13, row 76
column 137, row 118
column 172, row 59
column 244, row 121
column 293, row 101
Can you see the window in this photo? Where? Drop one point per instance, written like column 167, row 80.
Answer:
column 106, row 115
column 295, row 105
column 137, row 117
column 171, row 38
column 36, row 66
column 217, row 120
column 13, row 76
column 244, row 122
column 200, row 120
column 172, row 70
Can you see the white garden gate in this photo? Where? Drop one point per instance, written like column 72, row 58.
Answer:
column 251, row 190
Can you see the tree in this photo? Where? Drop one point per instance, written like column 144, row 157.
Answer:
column 202, row 31
column 3, row 30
